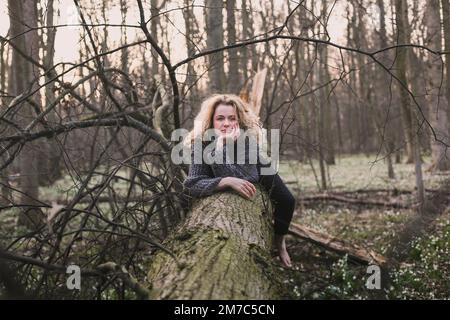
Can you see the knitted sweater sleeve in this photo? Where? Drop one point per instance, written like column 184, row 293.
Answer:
column 201, row 181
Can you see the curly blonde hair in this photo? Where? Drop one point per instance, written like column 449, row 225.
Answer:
column 248, row 120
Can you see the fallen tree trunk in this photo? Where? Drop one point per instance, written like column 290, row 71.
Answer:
column 222, row 251
column 331, row 197
column 354, row 252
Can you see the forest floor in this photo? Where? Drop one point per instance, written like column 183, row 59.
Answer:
column 423, row 272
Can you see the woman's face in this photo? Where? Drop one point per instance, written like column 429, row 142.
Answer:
column 225, row 118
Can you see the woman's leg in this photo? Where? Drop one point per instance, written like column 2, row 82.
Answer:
column 284, row 205
column 283, row 201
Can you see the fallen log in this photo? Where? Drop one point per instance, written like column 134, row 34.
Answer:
column 354, row 252
column 222, row 251
column 330, row 197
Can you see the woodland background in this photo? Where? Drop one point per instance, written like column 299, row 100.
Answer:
column 91, row 90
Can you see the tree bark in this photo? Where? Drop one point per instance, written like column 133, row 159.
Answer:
column 327, row 125
column 245, row 35
column 191, row 92
column 436, row 99
column 233, row 61
column 349, row 112
column 23, row 16
column 154, row 32
column 358, row 30
column 446, row 24
column 4, row 189
column 401, row 18
column 214, row 39
column 52, row 161
column 388, row 134
column 222, row 252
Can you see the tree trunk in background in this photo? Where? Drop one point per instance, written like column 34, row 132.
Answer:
column 308, row 118
column 412, row 136
column 233, row 72
column 419, row 176
column 417, row 73
column 103, row 96
column 254, row 56
column 297, row 77
column 154, row 32
column 401, row 18
column 320, row 116
column 245, row 35
column 123, row 39
column 4, row 179
column 23, row 73
column 436, row 100
column 327, row 126
column 222, row 252
column 383, row 79
column 214, row 39
column 354, row 125
column 273, row 71
column 361, row 85
column 53, row 159
column 189, row 109
column 105, row 35
column 399, row 130
column 446, row 23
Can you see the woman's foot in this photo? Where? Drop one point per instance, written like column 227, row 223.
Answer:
column 280, row 245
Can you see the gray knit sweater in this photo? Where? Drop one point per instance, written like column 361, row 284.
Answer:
column 204, row 178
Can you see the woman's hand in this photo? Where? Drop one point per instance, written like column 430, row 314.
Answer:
column 233, row 134
column 243, row 187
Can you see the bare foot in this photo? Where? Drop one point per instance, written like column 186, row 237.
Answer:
column 282, row 252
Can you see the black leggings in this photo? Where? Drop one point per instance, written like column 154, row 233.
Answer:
column 282, row 199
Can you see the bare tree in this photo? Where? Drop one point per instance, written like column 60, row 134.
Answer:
column 403, row 33
column 24, row 75
column 436, row 95
column 326, row 126
column 214, row 30
column 446, row 23
column 233, row 65
column 190, row 84
column 53, row 151
column 243, row 54
column 154, row 22
column 384, row 123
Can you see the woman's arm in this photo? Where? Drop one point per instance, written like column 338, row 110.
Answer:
column 203, row 185
column 201, row 181
column 241, row 186
column 223, row 184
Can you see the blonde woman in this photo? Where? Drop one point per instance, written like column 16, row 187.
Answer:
column 226, row 115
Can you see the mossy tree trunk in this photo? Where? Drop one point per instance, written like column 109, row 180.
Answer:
column 222, row 252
